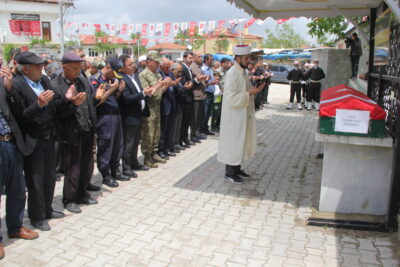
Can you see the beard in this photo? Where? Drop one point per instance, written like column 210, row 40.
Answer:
column 243, row 65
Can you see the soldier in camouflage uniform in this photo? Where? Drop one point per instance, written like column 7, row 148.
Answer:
column 149, row 77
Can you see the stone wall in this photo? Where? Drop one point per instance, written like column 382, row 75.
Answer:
column 336, row 65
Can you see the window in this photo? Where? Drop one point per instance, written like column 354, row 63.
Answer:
column 93, row 52
column 254, row 45
column 127, row 51
column 46, row 30
column 275, row 68
column 109, row 52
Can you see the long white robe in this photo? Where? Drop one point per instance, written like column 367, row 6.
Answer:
column 237, row 141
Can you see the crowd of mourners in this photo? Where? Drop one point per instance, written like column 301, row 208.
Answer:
column 57, row 117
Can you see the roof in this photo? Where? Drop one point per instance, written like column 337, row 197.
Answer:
column 92, row 40
column 167, row 46
column 228, row 34
column 305, row 8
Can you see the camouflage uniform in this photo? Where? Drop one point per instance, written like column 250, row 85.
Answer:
column 151, row 124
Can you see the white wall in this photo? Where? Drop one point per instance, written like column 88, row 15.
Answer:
column 47, row 12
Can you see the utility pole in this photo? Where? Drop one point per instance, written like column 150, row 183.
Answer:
column 63, row 5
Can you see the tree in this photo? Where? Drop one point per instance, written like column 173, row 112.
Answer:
column 36, row 42
column 221, row 44
column 337, row 26
column 285, row 37
column 138, row 49
column 8, row 50
column 100, row 46
column 198, row 40
column 324, row 41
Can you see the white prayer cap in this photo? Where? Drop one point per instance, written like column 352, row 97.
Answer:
column 241, row 50
column 142, row 58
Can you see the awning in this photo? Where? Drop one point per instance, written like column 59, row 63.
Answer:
column 276, row 9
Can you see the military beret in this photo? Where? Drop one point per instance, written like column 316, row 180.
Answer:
column 153, row 55
column 27, row 58
column 71, row 57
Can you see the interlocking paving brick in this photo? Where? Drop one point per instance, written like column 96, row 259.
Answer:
column 184, row 213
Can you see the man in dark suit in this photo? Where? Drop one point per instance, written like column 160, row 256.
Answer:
column 12, row 149
column 188, row 80
column 168, row 109
column 77, row 122
column 36, row 116
column 133, row 108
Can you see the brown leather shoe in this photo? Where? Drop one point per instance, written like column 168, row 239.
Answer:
column 150, row 164
column 24, row 233
column 2, row 253
column 158, row 159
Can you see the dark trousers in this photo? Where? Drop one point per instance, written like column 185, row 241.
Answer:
column 266, row 91
column 176, row 128
column 13, row 181
column 208, row 105
column 354, row 59
column 58, row 151
column 216, row 116
column 110, row 143
column 186, row 119
column 197, row 117
column 315, row 91
column 78, row 167
column 166, row 132
column 295, row 88
column 132, row 136
column 232, row 170
column 304, row 91
column 40, row 175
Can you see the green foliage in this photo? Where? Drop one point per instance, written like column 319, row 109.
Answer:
column 324, row 41
column 337, row 26
column 71, row 43
column 198, row 40
column 100, row 46
column 285, row 37
column 221, row 44
column 138, row 49
column 8, row 49
column 36, row 42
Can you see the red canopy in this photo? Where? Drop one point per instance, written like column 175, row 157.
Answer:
column 344, row 97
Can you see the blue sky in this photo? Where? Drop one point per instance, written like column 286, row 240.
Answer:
column 157, row 11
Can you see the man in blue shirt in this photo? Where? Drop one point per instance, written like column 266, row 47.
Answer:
column 210, row 88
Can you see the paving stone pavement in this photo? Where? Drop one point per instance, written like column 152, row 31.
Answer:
column 185, row 214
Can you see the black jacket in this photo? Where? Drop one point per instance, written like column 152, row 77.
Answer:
column 130, row 102
column 295, row 75
column 37, row 122
column 355, row 46
column 168, row 102
column 187, row 94
column 67, row 113
column 26, row 146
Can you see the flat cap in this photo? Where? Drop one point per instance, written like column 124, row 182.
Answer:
column 27, row 58
column 71, row 57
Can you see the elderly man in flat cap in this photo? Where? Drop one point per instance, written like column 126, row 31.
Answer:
column 12, row 149
column 237, row 140
column 77, row 120
column 36, row 116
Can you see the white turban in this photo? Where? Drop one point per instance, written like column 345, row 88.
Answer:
column 241, row 50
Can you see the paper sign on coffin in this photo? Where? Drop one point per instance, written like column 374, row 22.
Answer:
column 346, row 111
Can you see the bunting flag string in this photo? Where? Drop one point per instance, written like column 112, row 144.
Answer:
column 151, row 31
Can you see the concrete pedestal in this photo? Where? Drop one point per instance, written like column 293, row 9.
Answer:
column 356, row 175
